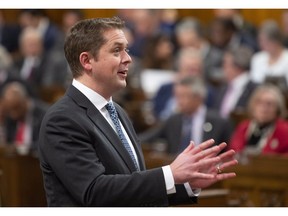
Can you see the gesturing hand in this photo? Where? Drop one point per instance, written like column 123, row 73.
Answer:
column 198, row 165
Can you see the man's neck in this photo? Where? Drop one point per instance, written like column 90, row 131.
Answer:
column 97, row 88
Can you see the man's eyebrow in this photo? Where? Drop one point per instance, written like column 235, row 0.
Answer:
column 120, row 44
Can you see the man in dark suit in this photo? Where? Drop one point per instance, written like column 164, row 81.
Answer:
column 190, row 94
column 235, row 93
column 9, row 35
column 90, row 157
column 42, row 70
column 38, row 19
column 23, row 116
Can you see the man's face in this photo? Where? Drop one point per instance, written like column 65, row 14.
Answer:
column 187, row 102
column 110, row 68
column 190, row 66
column 14, row 107
column 229, row 67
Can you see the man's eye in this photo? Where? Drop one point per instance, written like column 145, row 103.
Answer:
column 116, row 50
column 127, row 50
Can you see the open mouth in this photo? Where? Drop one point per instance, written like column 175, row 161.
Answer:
column 123, row 72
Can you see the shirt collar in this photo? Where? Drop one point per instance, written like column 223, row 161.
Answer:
column 240, row 81
column 201, row 111
column 96, row 99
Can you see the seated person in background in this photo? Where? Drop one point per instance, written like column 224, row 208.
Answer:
column 39, row 68
column 6, row 62
column 189, row 64
column 272, row 60
column 22, row 116
column 235, row 93
column 38, row 20
column 266, row 131
column 193, row 120
column 158, row 53
column 223, row 35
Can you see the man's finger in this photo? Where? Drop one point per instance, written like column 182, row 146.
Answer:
column 203, row 146
column 227, row 155
column 200, row 175
column 224, row 176
column 207, row 163
column 189, row 147
column 203, row 154
column 225, row 165
column 221, row 146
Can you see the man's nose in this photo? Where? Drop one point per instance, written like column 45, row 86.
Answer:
column 126, row 59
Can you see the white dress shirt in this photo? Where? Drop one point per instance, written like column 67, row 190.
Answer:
column 28, row 64
column 99, row 102
column 260, row 67
column 198, row 120
column 237, row 86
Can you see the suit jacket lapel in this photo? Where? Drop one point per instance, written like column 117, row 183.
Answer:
column 176, row 129
column 103, row 126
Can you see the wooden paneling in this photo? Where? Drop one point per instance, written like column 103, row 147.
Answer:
column 21, row 182
column 90, row 13
column 261, row 181
column 255, row 16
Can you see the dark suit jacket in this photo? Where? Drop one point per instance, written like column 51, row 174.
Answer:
column 85, row 164
column 243, row 100
column 36, row 80
column 38, row 113
column 9, row 37
column 170, row 131
column 52, row 70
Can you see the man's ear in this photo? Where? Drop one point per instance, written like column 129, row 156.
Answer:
column 85, row 60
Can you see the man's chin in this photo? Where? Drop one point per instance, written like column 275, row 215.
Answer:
column 122, row 84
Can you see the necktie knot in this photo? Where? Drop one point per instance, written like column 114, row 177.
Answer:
column 113, row 115
column 110, row 108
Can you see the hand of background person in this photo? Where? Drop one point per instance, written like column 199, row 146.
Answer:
column 202, row 165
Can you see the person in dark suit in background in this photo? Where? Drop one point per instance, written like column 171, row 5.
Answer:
column 90, row 157
column 38, row 20
column 234, row 94
column 193, row 121
column 35, row 65
column 22, row 117
column 9, row 35
column 189, row 63
column 32, row 64
column 5, row 66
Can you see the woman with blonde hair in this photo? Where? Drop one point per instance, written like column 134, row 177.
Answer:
column 266, row 131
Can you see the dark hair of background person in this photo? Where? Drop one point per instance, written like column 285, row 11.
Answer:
column 241, row 57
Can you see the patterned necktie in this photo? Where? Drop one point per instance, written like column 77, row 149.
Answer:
column 114, row 117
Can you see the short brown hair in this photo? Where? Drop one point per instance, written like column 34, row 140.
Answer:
column 87, row 36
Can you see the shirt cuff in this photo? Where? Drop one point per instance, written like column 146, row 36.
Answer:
column 169, row 180
column 170, row 184
column 192, row 192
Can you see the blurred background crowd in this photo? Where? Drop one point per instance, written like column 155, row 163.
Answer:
column 224, row 79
